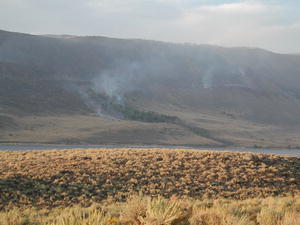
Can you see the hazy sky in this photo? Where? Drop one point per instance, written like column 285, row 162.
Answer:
column 269, row 24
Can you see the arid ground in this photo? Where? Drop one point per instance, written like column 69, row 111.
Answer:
column 67, row 177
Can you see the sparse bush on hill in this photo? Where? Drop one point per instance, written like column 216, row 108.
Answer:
column 150, row 117
column 124, row 111
column 111, row 107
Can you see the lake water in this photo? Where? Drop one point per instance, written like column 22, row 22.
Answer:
column 22, row 147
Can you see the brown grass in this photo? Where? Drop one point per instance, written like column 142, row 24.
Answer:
column 143, row 210
column 68, row 177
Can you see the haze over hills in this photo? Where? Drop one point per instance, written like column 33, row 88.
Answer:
column 99, row 90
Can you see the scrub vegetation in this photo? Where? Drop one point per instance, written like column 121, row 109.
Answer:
column 144, row 210
column 62, row 178
column 150, row 117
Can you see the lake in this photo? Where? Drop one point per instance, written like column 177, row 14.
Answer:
column 25, row 146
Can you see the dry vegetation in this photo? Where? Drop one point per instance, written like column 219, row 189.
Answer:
column 60, row 178
column 141, row 210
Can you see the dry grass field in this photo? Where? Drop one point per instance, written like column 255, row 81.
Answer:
column 142, row 210
column 57, row 178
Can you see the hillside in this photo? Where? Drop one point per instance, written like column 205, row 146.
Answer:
column 69, row 89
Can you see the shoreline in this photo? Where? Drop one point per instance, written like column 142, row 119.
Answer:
column 50, row 146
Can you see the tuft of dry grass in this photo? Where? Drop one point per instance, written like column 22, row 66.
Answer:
column 163, row 211
column 56, row 178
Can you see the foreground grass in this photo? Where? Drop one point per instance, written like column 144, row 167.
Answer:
column 62, row 178
column 159, row 211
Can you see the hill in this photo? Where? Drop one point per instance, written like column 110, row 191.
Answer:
column 69, row 89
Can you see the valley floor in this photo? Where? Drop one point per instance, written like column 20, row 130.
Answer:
column 79, row 129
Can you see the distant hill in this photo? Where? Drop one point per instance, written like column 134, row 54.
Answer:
column 200, row 87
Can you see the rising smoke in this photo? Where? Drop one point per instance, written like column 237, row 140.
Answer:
column 115, row 83
column 154, row 70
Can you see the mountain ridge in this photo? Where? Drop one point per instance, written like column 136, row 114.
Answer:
column 128, row 79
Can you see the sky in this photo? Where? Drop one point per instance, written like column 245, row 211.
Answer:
column 270, row 24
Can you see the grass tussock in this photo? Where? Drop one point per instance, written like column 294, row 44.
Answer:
column 59, row 178
column 141, row 210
